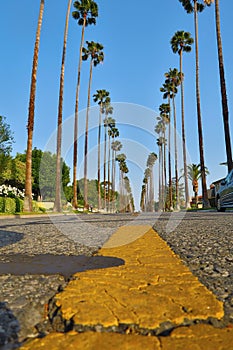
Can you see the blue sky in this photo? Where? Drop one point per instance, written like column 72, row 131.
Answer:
column 136, row 40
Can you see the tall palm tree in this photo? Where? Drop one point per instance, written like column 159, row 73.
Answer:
column 129, row 195
column 164, row 120
column 57, row 203
column 114, row 132
column 225, row 110
column 181, row 42
column 121, row 159
column 124, row 170
column 95, row 52
column 107, row 109
column 167, row 94
column 160, row 130
column 142, row 200
column 116, row 147
column 194, row 174
column 195, row 6
column 31, row 112
column 85, row 13
column 173, row 77
column 150, row 164
column 111, row 125
column 100, row 97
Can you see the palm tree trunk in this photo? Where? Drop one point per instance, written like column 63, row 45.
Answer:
column 57, row 203
column 113, row 179
column 75, row 151
column 223, row 89
column 165, row 172
column 160, row 180
column 162, row 173
column 169, row 159
column 105, row 156
column 99, row 137
column 31, row 112
column 187, row 204
column 177, row 206
column 151, row 190
column 109, row 151
column 199, row 120
column 85, row 195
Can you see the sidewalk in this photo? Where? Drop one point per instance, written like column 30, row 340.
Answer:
column 151, row 302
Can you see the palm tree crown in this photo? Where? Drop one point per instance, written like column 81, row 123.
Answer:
column 93, row 50
column 181, row 41
column 86, row 10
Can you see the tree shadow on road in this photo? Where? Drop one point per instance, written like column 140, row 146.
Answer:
column 48, row 264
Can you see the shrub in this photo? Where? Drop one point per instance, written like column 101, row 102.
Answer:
column 10, row 205
column 18, row 205
column 2, row 204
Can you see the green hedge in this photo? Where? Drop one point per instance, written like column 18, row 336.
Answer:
column 11, row 205
column 15, row 205
column 2, row 205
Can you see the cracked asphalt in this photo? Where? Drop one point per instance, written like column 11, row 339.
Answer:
column 151, row 301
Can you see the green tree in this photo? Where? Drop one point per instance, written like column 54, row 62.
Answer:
column 6, row 141
column 31, row 112
column 57, row 202
column 194, row 174
column 85, row 13
column 95, row 52
column 194, row 6
column 47, row 176
column 43, row 173
column 100, row 97
column 181, row 42
column 6, row 137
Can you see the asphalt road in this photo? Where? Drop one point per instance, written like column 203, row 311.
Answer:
column 203, row 240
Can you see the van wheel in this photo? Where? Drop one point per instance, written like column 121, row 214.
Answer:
column 219, row 208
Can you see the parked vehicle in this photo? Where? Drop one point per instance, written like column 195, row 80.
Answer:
column 224, row 195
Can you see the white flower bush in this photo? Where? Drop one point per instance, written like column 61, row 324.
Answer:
column 9, row 191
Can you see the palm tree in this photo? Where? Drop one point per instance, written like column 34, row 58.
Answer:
column 100, row 96
column 85, row 13
column 142, row 200
column 111, row 125
column 31, row 112
column 195, row 8
column 107, row 109
column 225, row 110
column 114, row 133
column 95, row 52
column 57, row 203
column 129, row 196
column 116, row 147
column 150, row 164
column 173, row 77
column 164, row 119
column 160, row 130
column 181, row 42
column 194, row 174
column 121, row 159
column 167, row 93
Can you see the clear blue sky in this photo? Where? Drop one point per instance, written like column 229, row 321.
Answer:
column 136, row 38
